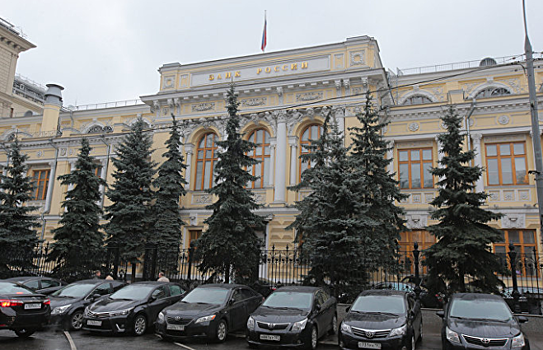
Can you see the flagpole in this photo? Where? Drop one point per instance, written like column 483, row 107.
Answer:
column 264, row 33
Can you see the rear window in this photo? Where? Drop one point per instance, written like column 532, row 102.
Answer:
column 175, row 290
column 10, row 288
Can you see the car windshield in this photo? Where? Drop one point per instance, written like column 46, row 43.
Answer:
column 10, row 288
column 133, row 292
column 487, row 309
column 294, row 300
column 207, row 295
column 394, row 304
column 75, row 290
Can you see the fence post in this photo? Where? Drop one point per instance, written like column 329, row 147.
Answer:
column 416, row 254
column 513, row 261
column 191, row 251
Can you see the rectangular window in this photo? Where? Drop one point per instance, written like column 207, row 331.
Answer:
column 194, row 235
column 506, row 164
column 407, row 241
column 414, row 168
column 525, row 246
column 40, row 179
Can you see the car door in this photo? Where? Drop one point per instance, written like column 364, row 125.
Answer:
column 49, row 285
column 176, row 293
column 324, row 313
column 415, row 314
column 252, row 300
column 159, row 299
column 33, row 284
column 237, row 310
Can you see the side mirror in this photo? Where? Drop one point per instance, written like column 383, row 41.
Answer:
column 317, row 307
column 441, row 314
column 348, row 308
column 522, row 319
column 231, row 302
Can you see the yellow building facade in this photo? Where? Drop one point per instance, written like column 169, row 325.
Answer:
column 282, row 96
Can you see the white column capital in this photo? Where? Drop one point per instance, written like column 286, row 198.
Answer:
column 476, row 137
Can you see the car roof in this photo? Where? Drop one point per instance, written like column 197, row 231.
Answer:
column 301, row 289
column 383, row 292
column 476, row 296
column 151, row 283
column 92, row 281
column 222, row 285
column 23, row 278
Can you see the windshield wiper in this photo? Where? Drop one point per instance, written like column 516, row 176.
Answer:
column 377, row 313
column 491, row 320
column 127, row 299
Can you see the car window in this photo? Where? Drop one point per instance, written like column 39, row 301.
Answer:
column 175, row 290
column 321, row 298
column 34, row 284
column 214, row 296
column 49, row 283
column 159, row 293
column 247, row 293
column 237, row 296
column 103, row 289
column 11, row 288
column 117, row 286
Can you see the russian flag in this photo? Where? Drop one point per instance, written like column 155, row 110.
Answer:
column 264, row 35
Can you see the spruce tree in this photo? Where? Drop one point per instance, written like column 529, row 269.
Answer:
column 380, row 191
column 463, row 238
column 170, row 185
column 130, row 216
column 18, row 239
column 230, row 242
column 331, row 219
column 79, row 241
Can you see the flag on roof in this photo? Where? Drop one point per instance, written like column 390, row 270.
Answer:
column 264, row 34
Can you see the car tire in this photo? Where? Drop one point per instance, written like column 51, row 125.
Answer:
column 166, row 338
column 140, row 325
column 25, row 332
column 252, row 346
column 221, row 332
column 313, row 339
column 75, row 322
column 333, row 326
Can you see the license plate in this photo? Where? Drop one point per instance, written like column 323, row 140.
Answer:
column 32, row 306
column 175, row 327
column 270, row 337
column 94, row 323
column 366, row 345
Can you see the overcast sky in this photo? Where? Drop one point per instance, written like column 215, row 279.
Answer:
column 103, row 51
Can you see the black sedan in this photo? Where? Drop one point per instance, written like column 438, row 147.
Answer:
column 293, row 317
column 382, row 319
column 131, row 309
column 68, row 303
column 22, row 310
column 211, row 310
column 39, row 284
column 530, row 299
column 477, row 321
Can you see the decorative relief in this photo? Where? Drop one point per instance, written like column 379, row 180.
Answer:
column 417, row 221
column 252, row 102
column 202, row 199
column 413, row 127
column 524, row 195
column 357, row 90
column 438, row 92
column 202, row 107
column 63, row 152
column 503, row 120
column 260, row 198
column 166, row 110
column 339, row 61
column 508, row 196
column 515, row 84
column 494, row 196
column 428, row 197
column 193, row 220
column 309, row 96
column 168, row 83
column 39, row 154
column 415, row 144
column 417, row 198
column 505, row 138
column 357, row 58
column 406, row 199
column 514, row 221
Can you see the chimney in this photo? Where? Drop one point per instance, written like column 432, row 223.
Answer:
column 51, row 107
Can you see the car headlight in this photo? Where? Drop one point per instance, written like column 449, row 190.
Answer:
column 345, row 328
column 161, row 317
column 121, row 312
column 59, row 310
column 518, row 341
column 205, row 319
column 251, row 323
column 452, row 336
column 299, row 326
column 398, row 331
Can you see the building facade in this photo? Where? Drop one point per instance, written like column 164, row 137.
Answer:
column 282, row 96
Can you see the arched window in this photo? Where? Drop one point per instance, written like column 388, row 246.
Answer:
column 261, row 152
column 312, row 132
column 206, row 156
column 492, row 92
column 416, row 100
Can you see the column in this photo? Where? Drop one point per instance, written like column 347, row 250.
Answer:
column 272, row 161
column 103, row 176
column 189, row 151
column 439, row 155
column 293, row 141
column 478, row 160
column 280, row 158
column 72, row 168
column 50, row 186
column 390, row 155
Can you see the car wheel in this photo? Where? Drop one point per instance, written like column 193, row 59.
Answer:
column 76, row 320
column 221, row 332
column 333, row 326
column 25, row 332
column 140, row 325
column 311, row 343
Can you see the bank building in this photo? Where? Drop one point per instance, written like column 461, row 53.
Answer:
column 282, row 94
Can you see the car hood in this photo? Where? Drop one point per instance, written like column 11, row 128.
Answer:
column 191, row 309
column 276, row 315
column 374, row 321
column 484, row 329
column 108, row 305
column 56, row 301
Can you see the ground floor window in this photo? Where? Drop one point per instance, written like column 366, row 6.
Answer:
column 407, row 241
column 525, row 246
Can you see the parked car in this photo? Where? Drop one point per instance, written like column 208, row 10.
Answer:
column 382, row 319
column 530, row 299
column 68, row 303
column 22, row 310
column 212, row 310
column 133, row 308
column 39, row 284
column 478, row 321
column 428, row 299
column 293, row 316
